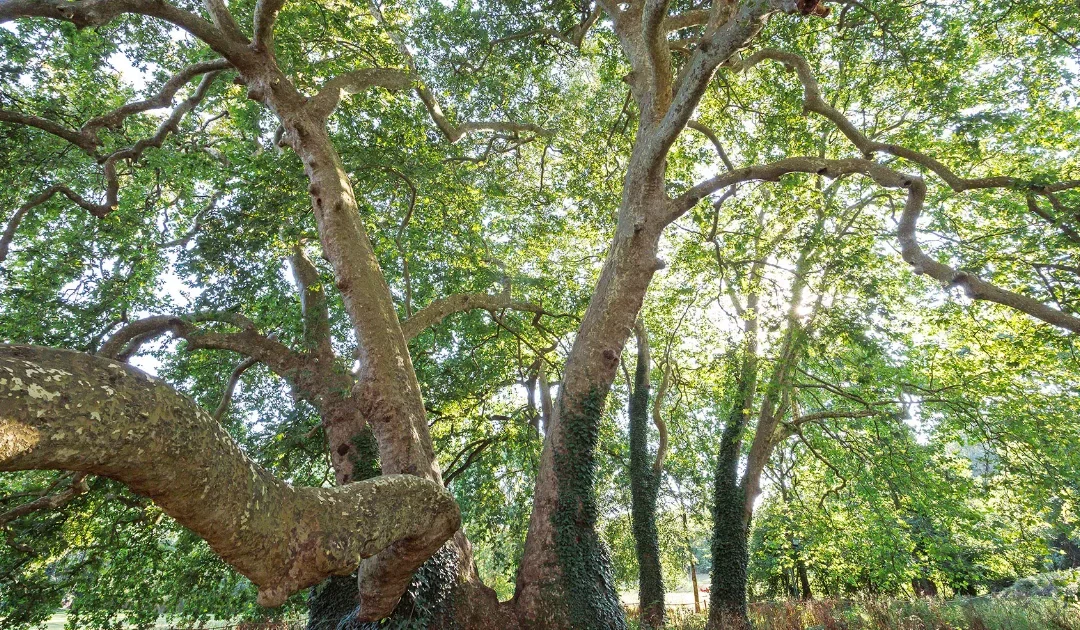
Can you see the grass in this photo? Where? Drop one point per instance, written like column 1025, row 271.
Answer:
column 1035, row 613
column 981, row 613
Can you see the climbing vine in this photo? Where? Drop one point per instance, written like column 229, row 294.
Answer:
column 587, row 588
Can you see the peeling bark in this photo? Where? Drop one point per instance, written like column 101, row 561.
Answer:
column 65, row 410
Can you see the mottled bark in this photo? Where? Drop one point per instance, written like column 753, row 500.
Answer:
column 65, row 410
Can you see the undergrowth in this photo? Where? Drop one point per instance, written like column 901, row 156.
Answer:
column 981, row 613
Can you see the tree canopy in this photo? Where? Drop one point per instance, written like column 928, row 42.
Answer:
column 803, row 276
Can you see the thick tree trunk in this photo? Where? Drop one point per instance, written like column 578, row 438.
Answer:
column 65, row 410
column 387, row 393
column 644, row 489
column 564, row 579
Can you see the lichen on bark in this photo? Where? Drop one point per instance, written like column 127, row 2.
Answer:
column 71, row 411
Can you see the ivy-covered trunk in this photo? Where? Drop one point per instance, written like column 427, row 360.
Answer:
column 564, row 579
column 730, row 556
column 644, row 489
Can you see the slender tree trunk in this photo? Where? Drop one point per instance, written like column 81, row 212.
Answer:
column 694, row 584
column 730, row 555
column 644, row 489
column 804, row 577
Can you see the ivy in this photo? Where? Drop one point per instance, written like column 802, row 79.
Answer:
column 586, row 591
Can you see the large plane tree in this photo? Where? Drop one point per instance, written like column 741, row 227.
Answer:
column 295, row 133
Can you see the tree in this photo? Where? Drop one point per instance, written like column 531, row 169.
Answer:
column 295, row 70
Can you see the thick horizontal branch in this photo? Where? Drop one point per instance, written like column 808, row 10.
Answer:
column 324, row 103
column 687, row 19
column 71, row 411
column 442, row 308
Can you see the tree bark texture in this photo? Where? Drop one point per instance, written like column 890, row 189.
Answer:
column 66, row 410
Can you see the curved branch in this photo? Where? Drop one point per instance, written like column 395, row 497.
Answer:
column 163, row 98
column 19, row 215
column 248, row 341
column 814, row 102
column 89, row 13
column 87, row 139
column 77, row 138
column 324, row 103
column 921, row 263
column 452, row 132
column 230, row 387
column 711, row 135
column 71, row 411
column 442, row 308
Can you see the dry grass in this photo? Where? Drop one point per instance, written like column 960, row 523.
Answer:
column 885, row 614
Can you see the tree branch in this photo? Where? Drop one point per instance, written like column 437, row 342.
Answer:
column 47, row 501
column 921, row 263
column 814, row 102
column 71, row 411
column 247, row 341
column 265, row 14
column 449, row 130
column 324, row 103
column 442, row 308
column 312, row 304
column 230, row 387
column 87, row 139
column 90, row 13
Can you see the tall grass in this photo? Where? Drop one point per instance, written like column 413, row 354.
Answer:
column 1036, row 613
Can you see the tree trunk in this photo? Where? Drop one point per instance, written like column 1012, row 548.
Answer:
column 387, row 394
column 644, row 489
column 804, row 577
column 730, row 555
column 564, row 579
